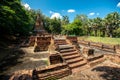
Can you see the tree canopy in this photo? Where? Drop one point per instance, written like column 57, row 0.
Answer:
column 17, row 20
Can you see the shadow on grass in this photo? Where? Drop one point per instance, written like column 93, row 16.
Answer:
column 109, row 73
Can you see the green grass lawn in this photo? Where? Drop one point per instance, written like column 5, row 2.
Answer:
column 106, row 40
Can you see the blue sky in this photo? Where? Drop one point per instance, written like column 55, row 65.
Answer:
column 58, row 8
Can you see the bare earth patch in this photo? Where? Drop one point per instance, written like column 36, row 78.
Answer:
column 104, row 71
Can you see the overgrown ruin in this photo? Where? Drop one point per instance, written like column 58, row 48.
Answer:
column 67, row 55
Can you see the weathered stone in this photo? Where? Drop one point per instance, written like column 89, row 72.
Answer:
column 88, row 51
column 56, row 71
column 110, row 48
column 96, row 45
column 117, row 48
column 42, row 43
column 87, row 43
column 32, row 41
column 55, row 59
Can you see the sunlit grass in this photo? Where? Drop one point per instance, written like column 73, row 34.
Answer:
column 106, row 40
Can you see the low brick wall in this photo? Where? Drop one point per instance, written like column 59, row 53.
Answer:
column 106, row 47
column 97, row 45
column 53, row 71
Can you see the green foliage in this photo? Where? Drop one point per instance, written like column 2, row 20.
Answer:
column 65, row 20
column 15, row 20
column 117, row 32
column 73, row 28
column 112, row 21
column 53, row 25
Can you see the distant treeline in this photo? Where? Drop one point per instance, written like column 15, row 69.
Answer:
column 83, row 26
column 16, row 20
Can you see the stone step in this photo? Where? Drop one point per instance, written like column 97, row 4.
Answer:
column 95, row 57
column 69, row 53
column 71, row 61
column 64, row 47
column 77, row 64
column 95, row 62
column 71, row 57
column 67, row 50
column 55, row 74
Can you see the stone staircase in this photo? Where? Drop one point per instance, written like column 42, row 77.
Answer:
column 72, row 57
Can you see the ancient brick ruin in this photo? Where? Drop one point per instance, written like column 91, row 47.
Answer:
column 68, row 56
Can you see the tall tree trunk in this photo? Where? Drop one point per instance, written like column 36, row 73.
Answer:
column 111, row 33
column 103, row 33
column 95, row 33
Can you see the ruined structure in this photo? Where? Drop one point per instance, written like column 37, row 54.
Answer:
column 67, row 55
column 39, row 28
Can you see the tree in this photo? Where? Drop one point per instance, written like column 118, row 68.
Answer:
column 84, row 23
column 112, row 22
column 15, row 20
column 74, row 28
column 65, row 20
column 97, row 25
column 53, row 25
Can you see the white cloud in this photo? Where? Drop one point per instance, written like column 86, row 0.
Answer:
column 71, row 11
column 118, row 5
column 27, row 6
column 91, row 14
column 56, row 15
